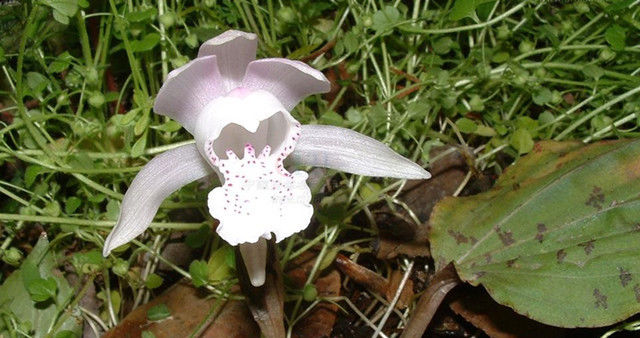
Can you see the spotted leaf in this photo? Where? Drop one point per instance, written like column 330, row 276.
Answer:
column 557, row 238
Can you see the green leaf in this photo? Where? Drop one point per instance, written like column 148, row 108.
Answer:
column 61, row 18
column 169, row 126
column 500, row 57
column 42, row 289
column 331, row 118
column 141, row 15
column 483, row 130
column 465, row 8
column 557, row 238
column 65, row 7
column 61, row 63
column 62, row 9
column 116, row 299
column 97, row 198
column 30, row 174
column 593, row 71
column 66, row 334
column 141, row 144
column 199, row 273
column 88, row 262
column 218, row 267
column 113, row 210
column 616, row 36
column 158, row 312
column 52, row 208
column 522, row 141
column 377, row 115
column 36, row 275
column 37, row 82
column 466, row 125
column 385, row 19
column 443, row 45
column 153, row 281
column 72, row 205
column 351, row 41
column 197, row 239
column 146, row 43
column 542, row 96
column 546, row 117
column 617, row 6
column 147, row 334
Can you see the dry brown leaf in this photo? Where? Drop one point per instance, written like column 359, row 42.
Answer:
column 234, row 321
column 320, row 321
column 376, row 283
column 407, row 292
column 399, row 234
column 189, row 307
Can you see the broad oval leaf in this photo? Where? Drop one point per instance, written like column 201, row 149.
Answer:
column 558, row 237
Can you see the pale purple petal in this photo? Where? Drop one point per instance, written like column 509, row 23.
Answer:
column 188, row 89
column 349, row 151
column 290, row 81
column 163, row 175
column 234, row 50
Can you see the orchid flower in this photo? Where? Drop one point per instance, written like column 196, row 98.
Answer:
column 238, row 110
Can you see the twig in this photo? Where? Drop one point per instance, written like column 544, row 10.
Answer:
column 320, row 51
column 395, row 300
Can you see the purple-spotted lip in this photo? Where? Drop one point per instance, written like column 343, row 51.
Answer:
column 259, row 197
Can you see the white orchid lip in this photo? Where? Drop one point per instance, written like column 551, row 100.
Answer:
column 258, row 196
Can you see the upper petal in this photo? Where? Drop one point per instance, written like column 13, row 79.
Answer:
column 163, row 175
column 188, row 89
column 290, row 81
column 349, row 151
column 234, row 50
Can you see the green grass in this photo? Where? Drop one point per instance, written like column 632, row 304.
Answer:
column 76, row 102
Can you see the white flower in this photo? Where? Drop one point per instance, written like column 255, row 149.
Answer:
column 237, row 109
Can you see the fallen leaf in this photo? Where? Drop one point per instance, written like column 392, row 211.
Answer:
column 188, row 307
column 320, row 321
column 234, row 321
column 399, row 234
column 376, row 283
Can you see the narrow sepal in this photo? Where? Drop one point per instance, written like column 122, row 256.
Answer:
column 349, row 151
column 163, row 175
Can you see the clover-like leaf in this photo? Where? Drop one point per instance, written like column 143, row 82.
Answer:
column 557, row 238
column 464, row 8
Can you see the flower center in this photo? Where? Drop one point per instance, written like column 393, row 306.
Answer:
column 259, row 196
